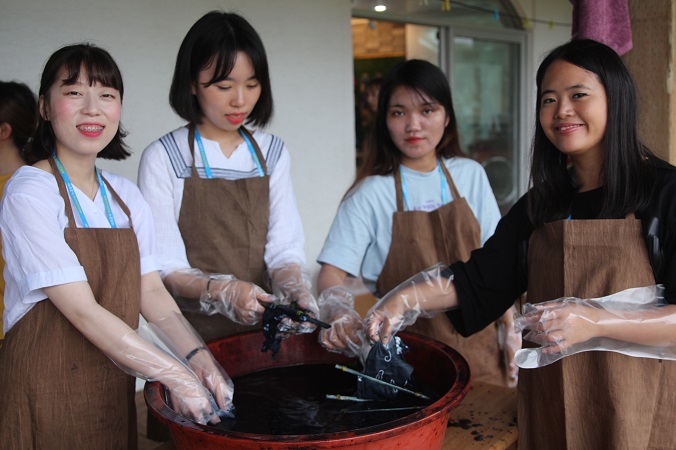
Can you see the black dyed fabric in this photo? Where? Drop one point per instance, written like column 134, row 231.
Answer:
column 385, row 363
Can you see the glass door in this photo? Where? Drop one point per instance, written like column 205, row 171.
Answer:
column 485, row 80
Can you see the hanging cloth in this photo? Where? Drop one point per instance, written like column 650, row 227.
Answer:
column 606, row 21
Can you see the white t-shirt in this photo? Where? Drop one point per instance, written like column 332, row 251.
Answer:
column 166, row 163
column 360, row 236
column 32, row 222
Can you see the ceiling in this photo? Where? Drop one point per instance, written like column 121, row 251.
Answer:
column 493, row 13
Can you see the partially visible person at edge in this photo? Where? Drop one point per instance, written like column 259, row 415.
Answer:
column 366, row 114
column 416, row 201
column 227, row 222
column 599, row 218
column 78, row 243
column 18, row 116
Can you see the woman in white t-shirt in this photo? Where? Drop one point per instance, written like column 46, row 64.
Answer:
column 227, row 223
column 78, row 245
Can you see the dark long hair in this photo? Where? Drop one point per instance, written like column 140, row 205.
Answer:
column 216, row 38
column 381, row 156
column 68, row 62
column 626, row 165
column 18, row 108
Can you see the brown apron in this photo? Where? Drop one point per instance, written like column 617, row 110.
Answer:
column 224, row 225
column 58, row 390
column 421, row 239
column 593, row 400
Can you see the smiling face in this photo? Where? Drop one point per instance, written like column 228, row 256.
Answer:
column 416, row 125
column 226, row 104
column 573, row 110
column 84, row 118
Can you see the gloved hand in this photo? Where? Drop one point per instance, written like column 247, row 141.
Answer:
column 570, row 325
column 509, row 341
column 336, row 306
column 423, row 295
column 144, row 360
column 190, row 398
column 185, row 344
column 240, row 301
column 291, row 283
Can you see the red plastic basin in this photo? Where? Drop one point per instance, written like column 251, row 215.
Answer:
column 435, row 364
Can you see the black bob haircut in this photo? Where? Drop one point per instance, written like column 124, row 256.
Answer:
column 216, row 38
column 68, row 62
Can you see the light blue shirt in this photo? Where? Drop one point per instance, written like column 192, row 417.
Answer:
column 360, row 236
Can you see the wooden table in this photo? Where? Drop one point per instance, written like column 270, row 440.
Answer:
column 485, row 419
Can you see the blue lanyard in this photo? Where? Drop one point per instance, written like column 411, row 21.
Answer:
column 207, row 167
column 254, row 156
column 444, row 186
column 203, row 155
column 73, row 196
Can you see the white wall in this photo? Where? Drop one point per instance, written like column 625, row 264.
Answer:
column 310, row 53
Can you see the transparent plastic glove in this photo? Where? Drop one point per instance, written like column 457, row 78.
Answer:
column 336, row 307
column 175, row 334
column 141, row 359
column 569, row 325
column 240, row 301
column 291, row 283
column 423, row 295
column 509, row 342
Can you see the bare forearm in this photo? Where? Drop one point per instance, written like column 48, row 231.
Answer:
column 187, row 284
column 655, row 327
column 330, row 276
column 107, row 331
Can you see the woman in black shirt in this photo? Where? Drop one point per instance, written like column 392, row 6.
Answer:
column 598, row 219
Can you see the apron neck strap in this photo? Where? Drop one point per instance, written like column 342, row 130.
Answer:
column 119, row 201
column 400, row 192
column 243, row 131
column 64, row 193
column 451, row 184
column 250, row 139
column 191, row 144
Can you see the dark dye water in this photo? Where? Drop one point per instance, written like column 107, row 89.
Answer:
column 292, row 400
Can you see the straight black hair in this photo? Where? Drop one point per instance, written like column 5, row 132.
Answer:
column 216, row 38
column 65, row 66
column 626, row 161
column 381, row 156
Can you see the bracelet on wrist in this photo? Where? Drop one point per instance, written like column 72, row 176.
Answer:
column 194, row 352
column 208, row 286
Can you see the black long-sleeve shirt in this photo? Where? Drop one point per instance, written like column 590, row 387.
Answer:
column 496, row 274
